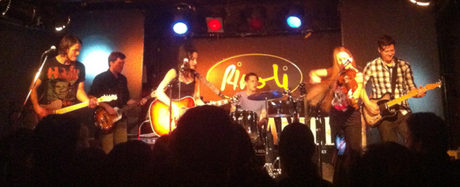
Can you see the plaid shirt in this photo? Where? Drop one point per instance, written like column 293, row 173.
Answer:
column 380, row 76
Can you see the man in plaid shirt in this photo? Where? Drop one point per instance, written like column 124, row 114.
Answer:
column 379, row 72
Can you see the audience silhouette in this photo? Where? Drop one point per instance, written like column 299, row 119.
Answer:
column 207, row 149
column 296, row 151
column 386, row 164
column 428, row 139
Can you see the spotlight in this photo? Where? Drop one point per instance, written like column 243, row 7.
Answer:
column 182, row 18
column 61, row 22
column 256, row 19
column 294, row 16
column 180, row 27
column 421, row 2
column 214, row 25
column 294, row 22
column 18, row 10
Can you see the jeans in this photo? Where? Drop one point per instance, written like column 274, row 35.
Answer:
column 118, row 135
column 390, row 127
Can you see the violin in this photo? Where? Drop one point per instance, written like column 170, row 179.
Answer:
column 347, row 82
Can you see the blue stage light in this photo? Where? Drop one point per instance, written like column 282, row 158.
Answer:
column 180, row 27
column 294, row 22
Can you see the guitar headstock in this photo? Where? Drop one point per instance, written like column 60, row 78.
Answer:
column 434, row 85
column 107, row 98
column 234, row 99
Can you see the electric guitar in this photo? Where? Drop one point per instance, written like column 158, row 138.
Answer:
column 55, row 107
column 159, row 112
column 105, row 121
column 386, row 107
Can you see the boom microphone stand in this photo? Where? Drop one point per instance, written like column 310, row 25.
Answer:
column 170, row 107
column 32, row 85
column 183, row 67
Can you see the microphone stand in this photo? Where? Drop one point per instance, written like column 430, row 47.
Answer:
column 170, row 107
column 32, row 85
column 320, row 119
column 170, row 98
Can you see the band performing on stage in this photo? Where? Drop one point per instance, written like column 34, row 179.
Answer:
column 276, row 125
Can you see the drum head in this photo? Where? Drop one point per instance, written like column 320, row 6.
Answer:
column 248, row 119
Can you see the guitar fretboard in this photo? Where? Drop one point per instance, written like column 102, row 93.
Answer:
column 212, row 87
column 84, row 104
column 218, row 103
column 412, row 94
column 126, row 108
column 70, row 108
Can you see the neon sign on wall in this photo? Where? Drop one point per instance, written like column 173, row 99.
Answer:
column 275, row 73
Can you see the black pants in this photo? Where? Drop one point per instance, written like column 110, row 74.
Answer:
column 346, row 124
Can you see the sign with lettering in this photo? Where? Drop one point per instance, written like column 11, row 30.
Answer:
column 275, row 73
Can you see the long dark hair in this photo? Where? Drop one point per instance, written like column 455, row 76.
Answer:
column 67, row 42
column 185, row 53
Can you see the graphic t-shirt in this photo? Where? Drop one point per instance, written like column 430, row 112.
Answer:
column 61, row 81
column 343, row 90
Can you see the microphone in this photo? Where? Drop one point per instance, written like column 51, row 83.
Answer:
column 183, row 66
column 52, row 48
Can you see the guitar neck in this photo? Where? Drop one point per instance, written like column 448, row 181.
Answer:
column 408, row 96
column 212, row 87
column 70, row 108
column 400, row 99
column 218, row 103
column 128, row 107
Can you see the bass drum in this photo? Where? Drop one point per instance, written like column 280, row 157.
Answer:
column 248, row 119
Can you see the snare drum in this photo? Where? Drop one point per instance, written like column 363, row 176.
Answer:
column 248, row 119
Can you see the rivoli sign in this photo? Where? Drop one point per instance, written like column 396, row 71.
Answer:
column 275, row 73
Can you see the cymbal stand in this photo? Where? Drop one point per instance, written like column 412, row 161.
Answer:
column 293, row 106
column 270, row 161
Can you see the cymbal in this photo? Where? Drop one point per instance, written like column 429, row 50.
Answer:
column 266, row 95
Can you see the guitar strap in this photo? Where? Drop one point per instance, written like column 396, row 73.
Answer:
column 394, row 74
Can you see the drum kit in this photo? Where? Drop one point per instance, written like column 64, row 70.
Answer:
column 277, row 105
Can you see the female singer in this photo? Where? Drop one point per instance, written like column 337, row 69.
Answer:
column 182, row 80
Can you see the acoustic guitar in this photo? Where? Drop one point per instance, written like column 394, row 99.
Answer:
column 159, row 112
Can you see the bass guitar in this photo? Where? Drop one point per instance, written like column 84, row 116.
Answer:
column 159, row 112
column 105, row 121
column 55, row 107
column 387, row 106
